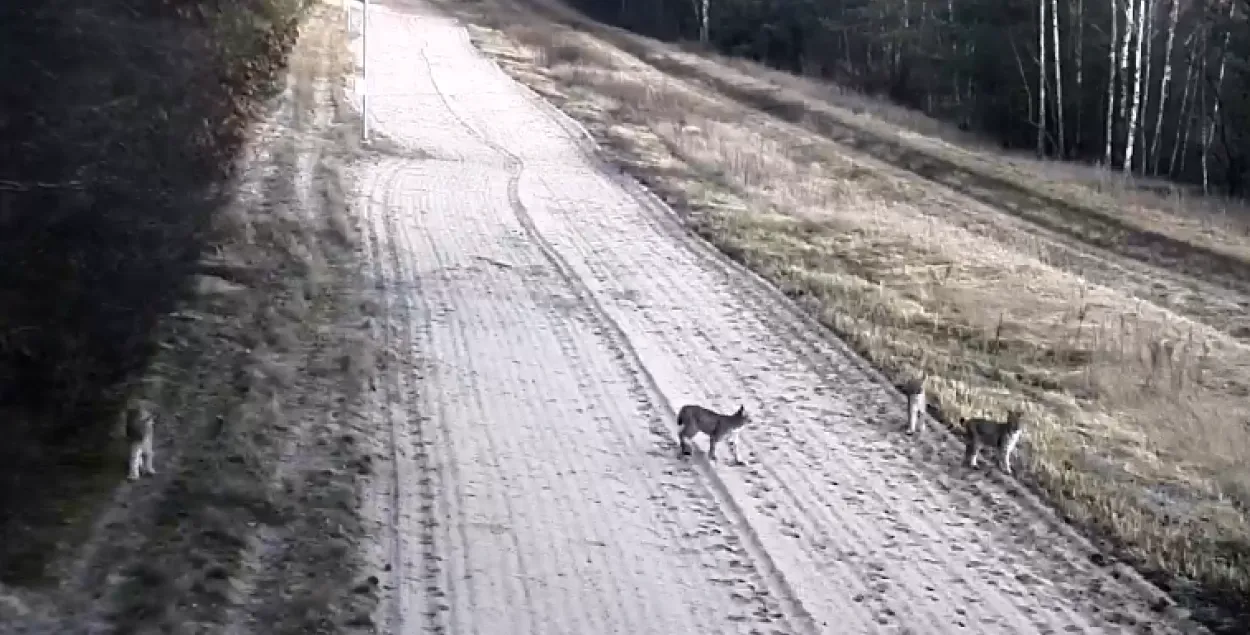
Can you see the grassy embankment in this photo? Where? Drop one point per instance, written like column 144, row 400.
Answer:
column 181, row 229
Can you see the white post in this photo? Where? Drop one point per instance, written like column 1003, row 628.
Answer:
column 364, row 72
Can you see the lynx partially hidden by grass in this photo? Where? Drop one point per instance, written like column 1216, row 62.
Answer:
column 914, row 391
column 139, row 423
column 1003, row 435
column 692, row 420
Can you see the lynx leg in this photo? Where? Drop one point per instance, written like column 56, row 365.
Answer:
column 972, row 450
column 1008, row 448
column 683, row 439
column 713, row 439
column 136, row 459
column 915, row 405
column 149, row 457
column 733, row 448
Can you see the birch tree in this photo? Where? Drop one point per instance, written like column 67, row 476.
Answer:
column 700, row 12
column 1078, row 57
column 1054, row 12
column 1041, row 79
column 1164, row 83
column 703, row 27
column 1113, row 61
column 1185, row 119
column 1149, row 36
column 1130, row 136
column 1126, row 42
column 1215, row 108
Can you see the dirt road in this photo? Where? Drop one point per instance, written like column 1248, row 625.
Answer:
column 544, row 318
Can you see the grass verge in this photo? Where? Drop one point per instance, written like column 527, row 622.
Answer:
column 1141, row 409
column 1162, row 226
column 123, row 122
column 260, row 523
column 256, row 379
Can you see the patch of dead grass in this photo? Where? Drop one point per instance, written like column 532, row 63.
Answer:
column 261, row 515
column 1197, row 236
column 1141, row 411
column 257, row 381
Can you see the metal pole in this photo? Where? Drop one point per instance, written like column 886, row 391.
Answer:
column 364, row 72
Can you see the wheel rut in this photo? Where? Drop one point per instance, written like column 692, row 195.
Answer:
column 619, row 341
column 472, row 306
column 544, row 319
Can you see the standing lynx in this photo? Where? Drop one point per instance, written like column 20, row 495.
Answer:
column 1004, row 436
column 692, row 420
column 914, row 390
column 139, row 424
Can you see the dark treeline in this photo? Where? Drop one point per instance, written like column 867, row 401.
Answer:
column 1158, row 87
column 121, row 124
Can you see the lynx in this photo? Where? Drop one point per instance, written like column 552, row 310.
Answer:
column 692, row 420
column 914, row 390
column 1004, row 436
column 139, row 423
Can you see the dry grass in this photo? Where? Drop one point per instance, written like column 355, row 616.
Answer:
column 1202, row 239
column 111, row 241
column 1104, row 184
column 257, row 382
column 1142, row 412
column 262, row 513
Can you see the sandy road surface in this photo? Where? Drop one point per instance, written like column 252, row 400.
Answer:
column 544, row 319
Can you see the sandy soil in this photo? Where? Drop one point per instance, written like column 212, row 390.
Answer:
column 544, row 318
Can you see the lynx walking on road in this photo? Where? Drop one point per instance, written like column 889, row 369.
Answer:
column 914, row 390
column 692, row 420
column 1004, row 436
column 139, row 423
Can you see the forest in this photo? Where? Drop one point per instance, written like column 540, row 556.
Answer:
column 1152, row 88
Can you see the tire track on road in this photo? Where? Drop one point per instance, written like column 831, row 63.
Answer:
column 1010, row 498
column 586, row 212
column 419, row 586
column 813, row 359
column 808, row 505
column 817, row 353
column 779, row 586
column 438, row 277
column 617, row 305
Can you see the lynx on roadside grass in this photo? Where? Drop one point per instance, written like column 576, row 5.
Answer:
column 692, row 420
column 1004, row 436
column 914, row 391
column 138, row 426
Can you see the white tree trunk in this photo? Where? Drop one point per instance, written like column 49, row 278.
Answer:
column 1148, row 42
column 700, row 8
column 1164, row 83
column 703, row 27
column 1041, row 79
column 1215, row 109
column 1130, row 136
column 1126, row 41
column 1185, row 119
column 1198, row 98
column 1057, row 50
column 1078, row 50
column 1112, row 63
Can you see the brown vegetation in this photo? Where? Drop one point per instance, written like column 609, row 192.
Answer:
column 1117, row 317
column 245, row 328
column 123, row 120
